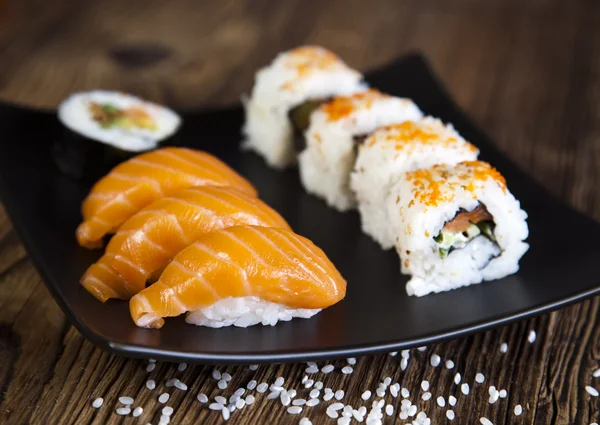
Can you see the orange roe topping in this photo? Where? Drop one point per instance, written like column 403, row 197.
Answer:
column 343, row 106
column 483, row 171
column 308, row 58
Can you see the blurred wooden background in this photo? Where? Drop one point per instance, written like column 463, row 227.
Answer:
column 527, row 71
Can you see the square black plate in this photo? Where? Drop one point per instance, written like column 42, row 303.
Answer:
column 376, row 314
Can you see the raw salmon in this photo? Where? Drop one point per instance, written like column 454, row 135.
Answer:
column 274, row 265
column 146, row 242
column 135, row 183
column 463, row 220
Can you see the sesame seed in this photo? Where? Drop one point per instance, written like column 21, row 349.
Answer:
column 253, row 367
column 202, row 398
column 126, row 400
column 441, row 401
column 168, row 411
column 485, row 421
column 425, row 385
column 504, row 347
column 457, row 378
column 336, row 406
column 426, row 396
column 403, row 363
column 366, row 395
column 181, row 367
column 249, row 399
column 311, row 369
column 225, row 413
column 450, row 415
column 285, row 398
column 464, row 388
column 405, row 393
column 449, row 364
column 328, row 396
column 215, row 406
column 181, row 386
column 592, row 391
column 222, row 384
column 123, row 411
column 216, row 375
column 596, row 373
column 479, row 378
column 327, row 369
column 312, row 402
column 299, row 402
column 435, row 360
column 347, row 370
column 150, row 384
column 279, row 381
column 150, row 367
column 531, row 337
column 294, row 410
column 318, row 385
column 97, row 403
column 240, row 403
column 163, row 398
column 351, row 361
column 339, row 394
column 137, row 411
column 220, row 399
column 518, row 410
column 452, row 400
column 315, row 393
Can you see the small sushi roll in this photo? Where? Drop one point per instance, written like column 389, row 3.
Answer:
column 242, row 276
column 456, row 225
column 146, row 242
column 143, row 179
column 103, row 128
column 336, row 130
column 284, row 95
column 391, row 151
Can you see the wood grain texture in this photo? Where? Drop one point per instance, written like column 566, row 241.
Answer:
column 527, row 72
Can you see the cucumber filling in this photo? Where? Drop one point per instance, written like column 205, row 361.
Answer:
column 449, row 241
column 108, row 115
column 300, row 118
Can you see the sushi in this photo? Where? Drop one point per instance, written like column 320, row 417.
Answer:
column 242, row 276
column 284, row 95
column 137, row 182
column 336, row 130
column 146, row 242
column 103, row 128
column 456, row 225
column 393, row 150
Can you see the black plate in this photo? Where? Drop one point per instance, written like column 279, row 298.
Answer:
column 376, row 314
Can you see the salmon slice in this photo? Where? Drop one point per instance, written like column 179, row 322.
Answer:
column 135, row 183
column 462, row 221
column 274, row 265
column 145, row 243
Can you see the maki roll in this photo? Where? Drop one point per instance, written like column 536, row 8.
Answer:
column 103, row 128
column 336, row 130
column 456, row 225
column 284, row 95
column 393, row 150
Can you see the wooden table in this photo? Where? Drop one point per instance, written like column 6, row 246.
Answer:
column 527, row 72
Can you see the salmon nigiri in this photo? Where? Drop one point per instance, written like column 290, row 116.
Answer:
column 146, row 242
column 135, row 183
column 242, row 276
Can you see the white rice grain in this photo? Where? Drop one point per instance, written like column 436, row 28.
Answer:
column 225, row 413
column 457, row 378
column 479, row 378
column 405, row 393
column 273, row 395
column 449, row 364
column 339, row 394
column 403, row 363
column 503, row 393
column 393, row 353
column 327, row 368
column 163, row 398
column 452, row 400
column 312, row 402
column 315, row 393
column 150, row 367
column 305, row 421
column 220, row 399
column 294, row 410
column 394, row 390
column 319, row 385
column 263, row 387
column 127, row 401
column 279, row 381
column 216, row 375
column 226, row 377
column 181, row 386
column 426, row 396
column 366, row 395
column 167, row 410
column 389, row 410
column 299, row 402
column 249, row 399
column 328, row 396
column 423, row 348
column 596, row 373
column 240, row 403
column 285, row 398
column 181, row 367
column 351, row 361
column 450, row 415
column 137, row 412
column 97, row 403
column 592, row 391
column 485, row 421
column 215, row 406
column 425, row 385
column 222, row 384
column 150, row 384
column 240, row 391
column 332, row 414
column 253, row 367
column 518, row 410
column 336, row 406
column 311, row 369
column 464, row 388
column 123, row 411
column 202, row 398
column 494, row 397
column 171, row 382
column 164, row 420
column 532, row 336
column 343, row 421
column 380, row 392
column 347, row 370
column 441, row 401
column 435, row 360
column 251, row 385
column 504, row 347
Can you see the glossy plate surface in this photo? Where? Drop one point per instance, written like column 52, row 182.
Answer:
column 376, row 315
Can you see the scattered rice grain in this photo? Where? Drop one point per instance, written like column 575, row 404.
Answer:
column 532, row 336
column 312, row 402
column 485, row 421
column 394, row 390
column 464, row 388
column 403, row 363
column 263, row 387
column 285, row 398
column 163, row 398
column 168, row 410
column 441, row 401
column 328, row 396
column 435, row 360
column 315, row 393
column 294, row 410
column 339, row 394
column 518, row 410
column 253, row 367
column 150, row 367
column 126, row 400
column 150, row 384
column 123, row 411
column 452, row 400
column 216, row 375
column 97, row 403
column 351, row 361
column 503, row 393
column 249, row 399
column 449, row 364
column 366, row 395
column 202, row 398
column 220, row 399
column 319, row 385
column 215, row 406
column 312, row 369
column 181, row 386
column 504, row 347
column 405, row 393
column 479, row 378
column 347, row 370
column 327, row 368
column 222, row 384
column 225, row 413
column 389, row 410
column 450, row 415
column 181, row 367
column 425, row 385
column 137, row 411
column 592, row 391
column 457, row 378
column 240, row 403
column 426, row 396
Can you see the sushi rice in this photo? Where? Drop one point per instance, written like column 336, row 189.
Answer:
column 423, row 202
column 141, row 125
column 330, row 154
column 393, row 150
column 294, row 77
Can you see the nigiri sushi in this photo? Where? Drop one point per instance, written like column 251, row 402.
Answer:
column 242, row 276
column 146, row 242
column 135, row 183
